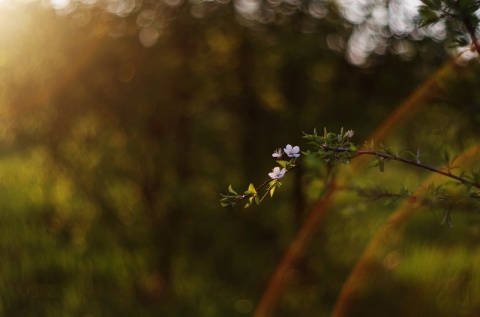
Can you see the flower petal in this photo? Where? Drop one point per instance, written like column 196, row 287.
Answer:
column 278, row 153
column 277, row 173
column 292, row 151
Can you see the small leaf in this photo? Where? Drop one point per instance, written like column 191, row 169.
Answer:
column 446, row 156
column 404, row 190
column 272, row 190
column 230, row 189
column 388, row 202
column 250, row 201
column 447, row 219
column 468, row 6
column 372, row 164
column 428, row 16
column 432, row 4
column 381, row 164
column 282, row 163
column 251, row 189
column 388, row 150
column 461, row 41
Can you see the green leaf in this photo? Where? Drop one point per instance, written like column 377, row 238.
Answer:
column 433, row 4
column 282, row 163
column 230, row 189
column 250, row 201
column 404, row 190
column 251, row 190
column 272, row 190
column 468, row 6
column 428, row 16
column 446, row 156
column 381, row 164
column 388, row 202
column 447, row 219
column 388, row 150
column 460, row 41
column 372, row 164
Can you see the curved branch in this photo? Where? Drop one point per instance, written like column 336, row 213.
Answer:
column 420, row 165
column 409, row 162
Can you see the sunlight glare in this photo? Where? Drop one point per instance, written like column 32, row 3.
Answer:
column 59, row 4
column 377, row 20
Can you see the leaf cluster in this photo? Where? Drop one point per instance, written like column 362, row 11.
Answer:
column 377, row 192
column 330, row 147
column 461, row 189
column 386, row 154
column 251, row 194
column 460, row 17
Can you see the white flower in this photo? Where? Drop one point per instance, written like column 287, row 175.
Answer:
column 292, row 151
column 278, row 153
column 349, row 134
column 277, row 173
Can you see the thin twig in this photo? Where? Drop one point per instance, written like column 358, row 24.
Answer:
column 410, row 162
column 265, row 183
column 378, row 154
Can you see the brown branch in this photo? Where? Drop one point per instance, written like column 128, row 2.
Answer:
column 471, row 30
column 410, row 162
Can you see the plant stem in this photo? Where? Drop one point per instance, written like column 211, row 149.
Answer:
column 383, row 155
column 414, row 163
column 265, row 183
column 471, row 30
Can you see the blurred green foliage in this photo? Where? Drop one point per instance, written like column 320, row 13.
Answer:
column 115, row 143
